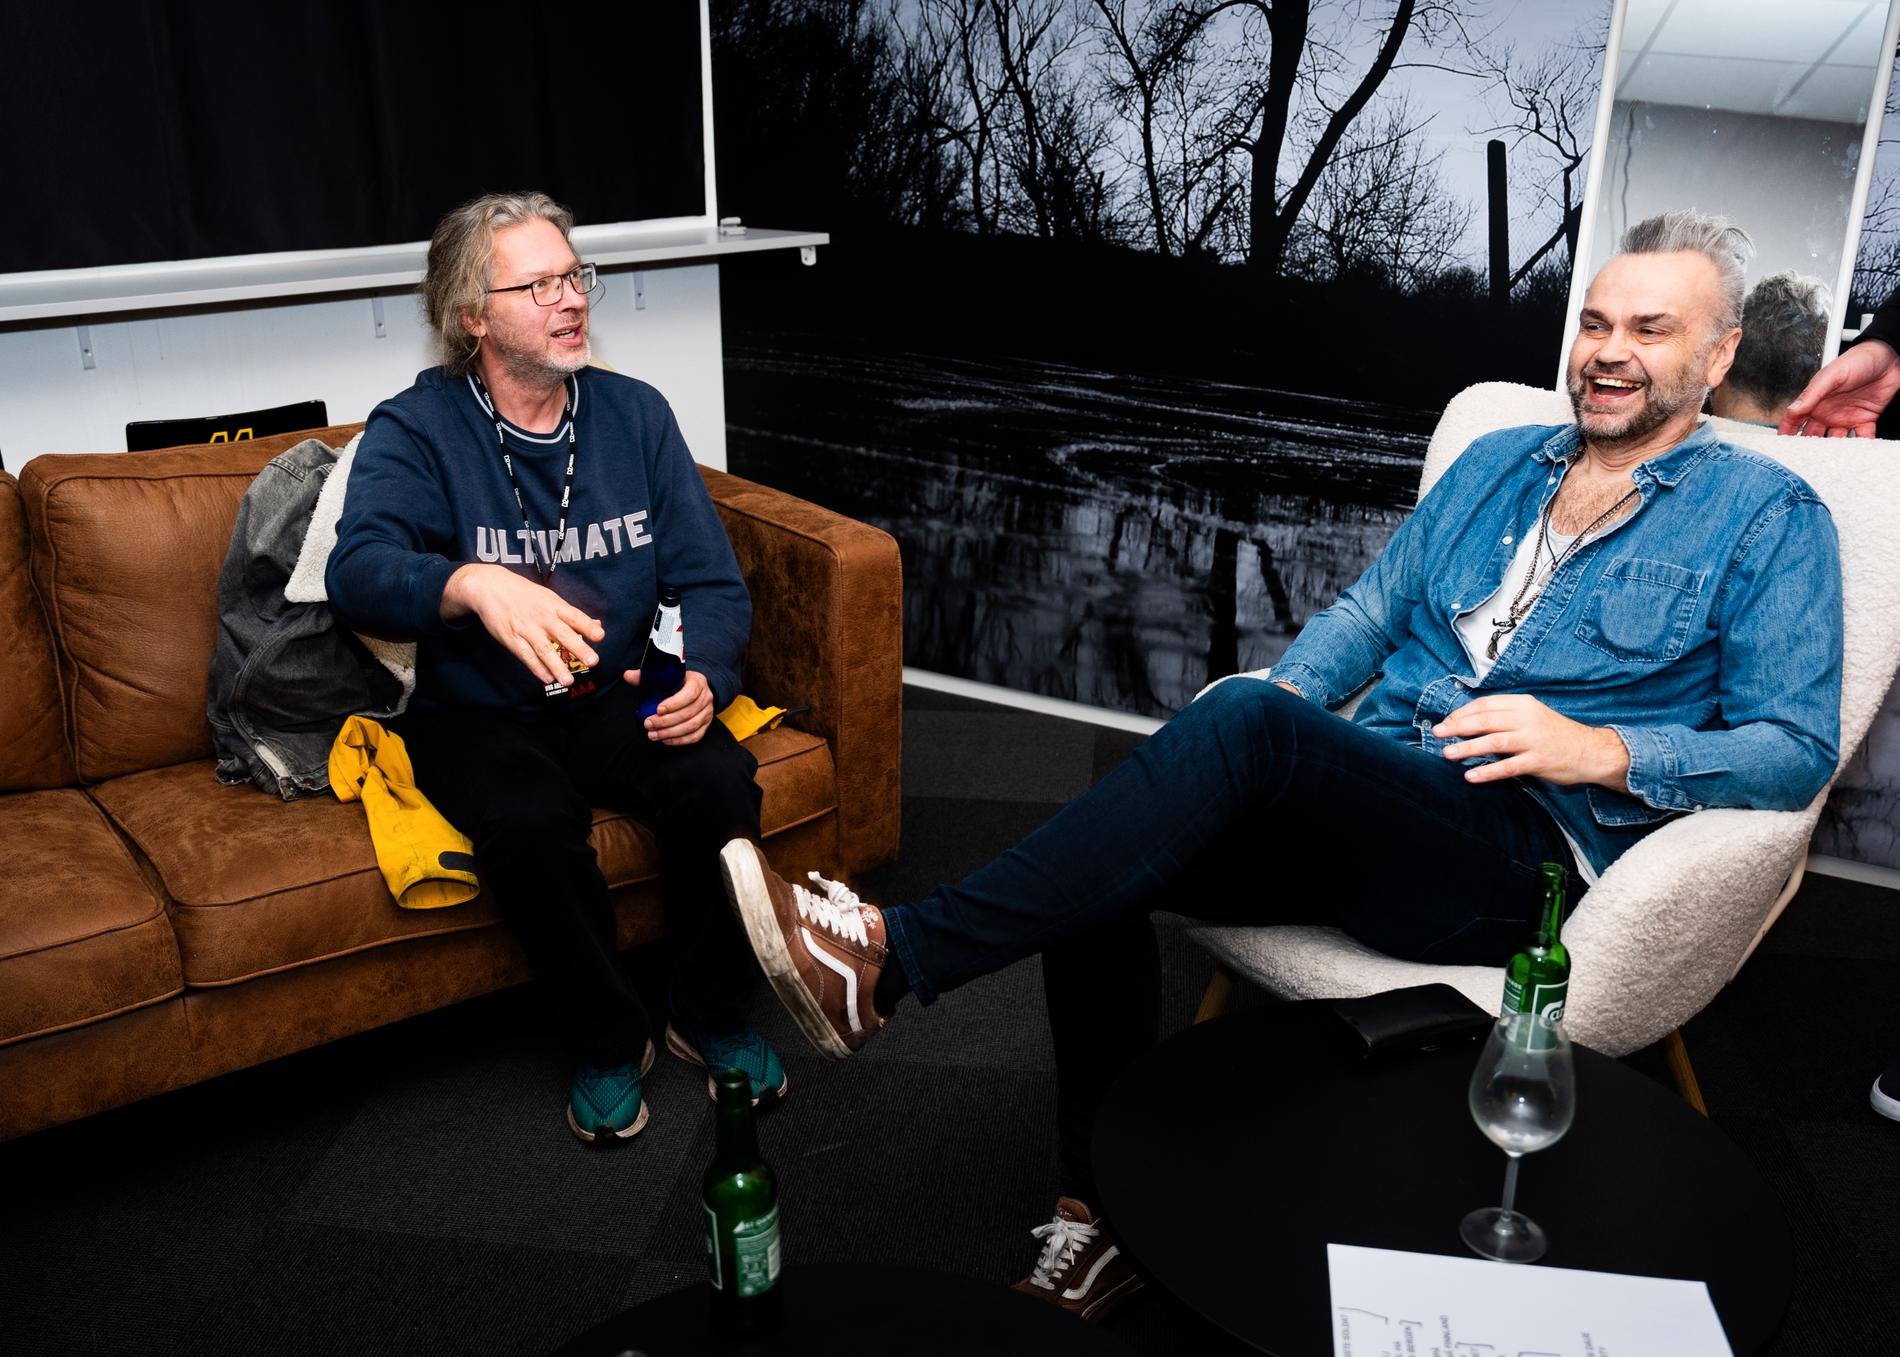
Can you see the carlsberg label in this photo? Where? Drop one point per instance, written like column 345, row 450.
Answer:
column 1546, row 1008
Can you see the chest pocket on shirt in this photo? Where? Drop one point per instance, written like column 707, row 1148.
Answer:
column 1642, row 610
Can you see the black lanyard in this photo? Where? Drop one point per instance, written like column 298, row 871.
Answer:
column 553, row 548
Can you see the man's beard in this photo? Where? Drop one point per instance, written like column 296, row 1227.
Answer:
column 535, row 368
column 1659, row 404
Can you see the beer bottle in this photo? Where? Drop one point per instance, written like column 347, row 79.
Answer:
column 663, row 662
column 1538, row 977
column 741, row 1199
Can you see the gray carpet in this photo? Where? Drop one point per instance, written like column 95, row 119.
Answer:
column 414, row 1190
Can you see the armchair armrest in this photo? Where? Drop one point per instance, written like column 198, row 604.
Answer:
column 828, row 633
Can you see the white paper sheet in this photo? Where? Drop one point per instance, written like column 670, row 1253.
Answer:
column 1392, row 1304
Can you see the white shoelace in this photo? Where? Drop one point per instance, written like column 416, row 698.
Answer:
column 1060, row 1238
column 837, row 910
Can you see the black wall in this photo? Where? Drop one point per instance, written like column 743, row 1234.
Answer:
column 144, row 130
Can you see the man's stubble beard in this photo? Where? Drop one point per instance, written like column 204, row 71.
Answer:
column 538, row 369
column 1660, row 404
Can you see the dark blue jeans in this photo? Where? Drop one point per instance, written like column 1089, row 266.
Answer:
column 1251, row 806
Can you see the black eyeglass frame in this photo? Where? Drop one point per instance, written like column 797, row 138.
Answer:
column 573, row 278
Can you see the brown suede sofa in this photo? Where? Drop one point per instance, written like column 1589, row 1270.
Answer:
column 157, row 928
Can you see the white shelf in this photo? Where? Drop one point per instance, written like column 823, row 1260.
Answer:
column 82, row 293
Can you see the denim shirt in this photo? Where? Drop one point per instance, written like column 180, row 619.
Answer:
column 1704, row 628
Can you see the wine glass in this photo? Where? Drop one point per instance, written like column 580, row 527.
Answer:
column 1523, row 1096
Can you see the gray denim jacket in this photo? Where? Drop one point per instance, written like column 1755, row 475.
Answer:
column 283, row 675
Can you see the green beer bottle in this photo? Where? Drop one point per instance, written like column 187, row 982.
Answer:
column 1538, row 977
column 740, row 1194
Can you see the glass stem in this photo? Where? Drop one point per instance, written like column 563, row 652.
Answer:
column 1510, row 1183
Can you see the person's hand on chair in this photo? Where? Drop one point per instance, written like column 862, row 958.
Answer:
column 1845, row 398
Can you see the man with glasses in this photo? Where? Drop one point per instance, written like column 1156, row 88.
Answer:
column 515, row 513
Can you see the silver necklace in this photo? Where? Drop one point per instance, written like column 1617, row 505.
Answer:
column 1521, row 605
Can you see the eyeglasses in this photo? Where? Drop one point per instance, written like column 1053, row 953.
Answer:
column 547, row 291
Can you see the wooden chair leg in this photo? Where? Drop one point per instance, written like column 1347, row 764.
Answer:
column 1676, row 1056
column 1219, row 990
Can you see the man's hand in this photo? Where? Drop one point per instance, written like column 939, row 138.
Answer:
column 1531, row 740
column 1847, row 395
column 683, row 717
column 530, row 621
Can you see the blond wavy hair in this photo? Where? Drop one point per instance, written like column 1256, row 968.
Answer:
column 455, row 282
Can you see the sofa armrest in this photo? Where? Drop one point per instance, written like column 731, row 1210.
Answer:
column 827, row 633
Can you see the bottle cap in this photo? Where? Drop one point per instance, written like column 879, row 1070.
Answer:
column 669, row 596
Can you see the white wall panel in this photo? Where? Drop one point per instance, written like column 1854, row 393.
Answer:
column 211, row 361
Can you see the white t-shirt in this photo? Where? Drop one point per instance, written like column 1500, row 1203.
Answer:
column 1475, row 625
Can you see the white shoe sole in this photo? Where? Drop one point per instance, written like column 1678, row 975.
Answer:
column 1885, row 1106
column 745, row 887
column 678, row 1046
column 647, row 1058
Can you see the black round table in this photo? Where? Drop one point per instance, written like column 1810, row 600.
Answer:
column 1232, row 1154
column 856, row 1307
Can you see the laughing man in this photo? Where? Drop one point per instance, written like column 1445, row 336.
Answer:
column 1582, row 632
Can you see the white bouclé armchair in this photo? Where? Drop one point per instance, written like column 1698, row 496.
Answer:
column 1672, row 921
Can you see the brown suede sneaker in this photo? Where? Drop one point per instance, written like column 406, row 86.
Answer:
column 1081, row 1269
column 822, row 950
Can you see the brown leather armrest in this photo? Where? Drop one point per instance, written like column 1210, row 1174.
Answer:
column 827, row 633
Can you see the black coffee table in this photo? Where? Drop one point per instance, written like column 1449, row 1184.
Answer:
column 1229, row 1156
column 857, row 1308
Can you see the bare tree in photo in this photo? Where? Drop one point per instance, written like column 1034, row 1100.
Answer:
column 952, row 59
column 1550, row 102
column 1877, row 257
column 1313, row 77
column 839, row 81
column 1055, row 131
column 1380, row 209
column 1173, row 90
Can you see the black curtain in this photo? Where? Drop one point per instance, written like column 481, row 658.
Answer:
column 144, row 130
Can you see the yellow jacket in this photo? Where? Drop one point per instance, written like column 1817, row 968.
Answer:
column 426, row 860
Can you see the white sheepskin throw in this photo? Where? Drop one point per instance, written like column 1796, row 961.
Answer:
column 1673, row 919
column 306, row 581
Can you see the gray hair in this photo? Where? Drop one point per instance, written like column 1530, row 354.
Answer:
column 456, row 279
column 1784, row 326
column 1716, row 239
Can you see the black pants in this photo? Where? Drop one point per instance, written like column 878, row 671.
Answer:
column 523, row 788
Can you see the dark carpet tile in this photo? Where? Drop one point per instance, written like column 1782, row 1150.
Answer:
column 643, row 1281
column 91, row 1280
column 1807, row 1059
column 314, row 1289
column 1111, row 747
column 940, row 1167
column 475, row 1145
column 998, row 1020
column 1831, row 916
column 236, row 1146
column 1839, row 1305
column 1016, row 756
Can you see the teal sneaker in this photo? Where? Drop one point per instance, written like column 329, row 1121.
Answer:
column 604, row 1102
column 742, row 1050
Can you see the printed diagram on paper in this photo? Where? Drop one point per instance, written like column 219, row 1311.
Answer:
column 1391, row 1304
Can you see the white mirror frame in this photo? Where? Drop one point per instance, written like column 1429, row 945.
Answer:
column 1863, row 177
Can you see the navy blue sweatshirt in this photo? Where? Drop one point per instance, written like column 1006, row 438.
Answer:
column 428, row 492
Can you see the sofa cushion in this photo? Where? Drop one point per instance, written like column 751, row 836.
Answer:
column 32, row 723
column 82, row 935
column 126, row 554
column 261, row 885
